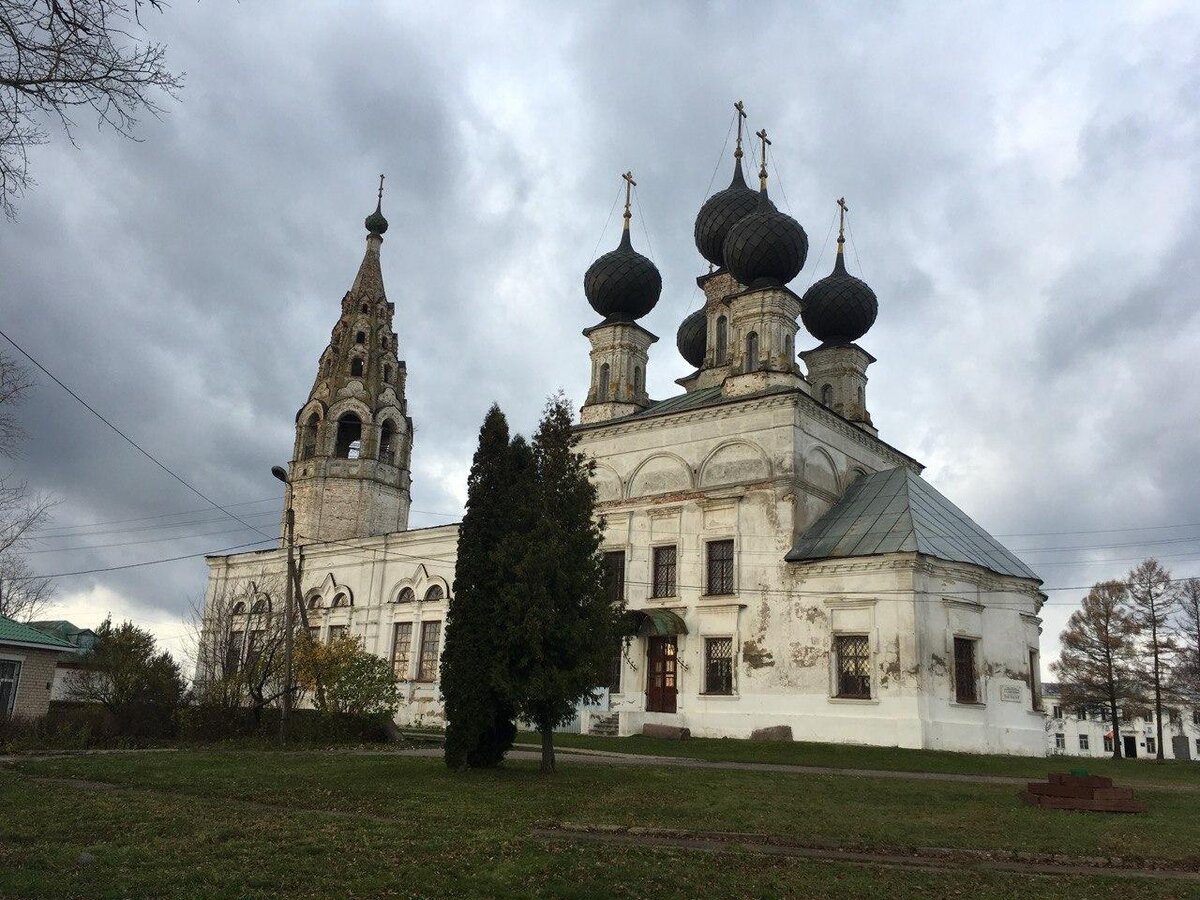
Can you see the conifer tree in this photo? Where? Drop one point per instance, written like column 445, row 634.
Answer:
column 474, row 678
column 565, row 624
column 1099, row 662
column 1153, row 602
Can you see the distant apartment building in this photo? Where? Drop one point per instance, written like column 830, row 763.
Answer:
column 1088, row 731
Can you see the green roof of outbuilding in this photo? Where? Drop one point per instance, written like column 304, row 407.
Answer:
column 897, row 511
column 15, row 633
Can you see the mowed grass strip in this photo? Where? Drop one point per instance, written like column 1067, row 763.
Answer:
column 842, row 810
column 203, row 844
column 1130, row 772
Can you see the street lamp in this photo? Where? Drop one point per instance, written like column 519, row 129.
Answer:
column 289, row 613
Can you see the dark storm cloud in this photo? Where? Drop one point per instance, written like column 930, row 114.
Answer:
column 1022, row 183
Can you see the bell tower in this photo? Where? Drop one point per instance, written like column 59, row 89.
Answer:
column 349, row 474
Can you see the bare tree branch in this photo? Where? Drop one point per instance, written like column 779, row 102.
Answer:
column 58, row 57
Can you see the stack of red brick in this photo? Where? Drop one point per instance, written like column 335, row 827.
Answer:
column 1089, row 792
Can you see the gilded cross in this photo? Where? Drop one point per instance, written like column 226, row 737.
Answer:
column 762, row 171
column 843, row 209
column 741, row 114
column 630, row 184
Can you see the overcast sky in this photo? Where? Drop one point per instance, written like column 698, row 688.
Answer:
column 1024, row 187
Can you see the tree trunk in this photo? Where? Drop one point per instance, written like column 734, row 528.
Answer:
column 1112, row 693
column 1157, row 683
column 547, row 750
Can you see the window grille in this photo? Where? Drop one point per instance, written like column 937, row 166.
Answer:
column 853, row 656
column 431, row 634
column 402, row 650
column 718, row 665
column 665, row 569
column 965, row 689
column 720, row 567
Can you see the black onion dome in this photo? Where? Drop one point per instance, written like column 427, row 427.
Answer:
column 622, row 285
column 720, row 212
column 692, row 338
column 839, row 308
column 766, row 247
column 375, row 222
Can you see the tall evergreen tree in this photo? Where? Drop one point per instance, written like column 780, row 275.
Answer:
column 474, row 674
column 1099, row 657
column 565, row 625
column 1153, row 601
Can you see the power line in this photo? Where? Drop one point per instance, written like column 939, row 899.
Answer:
column 155, row 562
column 165, row 525
column 186, row 512
column 127, row 438
column 175, row 537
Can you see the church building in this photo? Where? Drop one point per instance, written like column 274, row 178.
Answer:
column 786, row 565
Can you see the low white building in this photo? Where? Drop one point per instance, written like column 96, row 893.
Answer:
column 788, row 566
column 1088, row 731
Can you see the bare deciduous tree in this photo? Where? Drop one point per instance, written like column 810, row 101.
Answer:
column 23, row 595
column 1188, row 672
column 1152, row 599
column 61, row 56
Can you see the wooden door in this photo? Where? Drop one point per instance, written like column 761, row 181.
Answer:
column 1130, row 747
column 660, row 674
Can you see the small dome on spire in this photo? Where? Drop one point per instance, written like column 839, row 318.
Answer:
column 623, row 285
column 375, row 222
column 692, row 338
column 840, row 308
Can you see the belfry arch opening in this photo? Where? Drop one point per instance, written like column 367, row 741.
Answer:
column 752, row 352
column 387, row 443
column 356, row 367
column 308, row 440
column 722, row 341
column 349, row 436
column 602, row 388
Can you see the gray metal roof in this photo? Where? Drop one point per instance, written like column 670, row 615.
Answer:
column 897, row 511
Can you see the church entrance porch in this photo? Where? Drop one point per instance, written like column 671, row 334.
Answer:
column 660, row 674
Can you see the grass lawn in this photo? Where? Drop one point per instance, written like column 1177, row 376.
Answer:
column 312, row 824
column 1129, row 772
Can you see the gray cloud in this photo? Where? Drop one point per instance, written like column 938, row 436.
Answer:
column 1023, row 187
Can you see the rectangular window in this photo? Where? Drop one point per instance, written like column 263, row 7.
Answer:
column 718, row 665
column 1035, row 694
column 254, row 649
column 10, row 676
column 853, row 660
column 338, row 631
column 1108, row 744
column 1060, row 741
column 614, row 572
column 431, row 635
column 1196, row 716
column 965, row 686
column 1103, row 710
column 1081, row 713
column 664, row 571
column 314, row 633
column 233, row 652
column 1198, row 746
column 1173, row 717
column 1151, row 746
column 720, row 567
column 1083, row 742
column 1057, row 711
column 401, row 649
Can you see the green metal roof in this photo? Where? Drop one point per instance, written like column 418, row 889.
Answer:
column 15, row 633
column 658, row 622
column 897, row 511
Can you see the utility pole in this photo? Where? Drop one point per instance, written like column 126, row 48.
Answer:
column 289, row 616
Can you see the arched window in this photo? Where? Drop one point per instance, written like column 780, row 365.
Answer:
column 861, row 399
column 349, row 436
column 383, row 342
column 387, row 374
column 752, row 352
column 314, row 602
column 639, row 381
column 308, row 442
column 239, row 608
column 340, row 600
column 356, row 367
column 406, row 596
column 435, row 593
column 360, row 338
column 261, row 605
column 602, row 388
column 387, row 443
column 827, row 394
column 722, row 341
column 366, row 307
